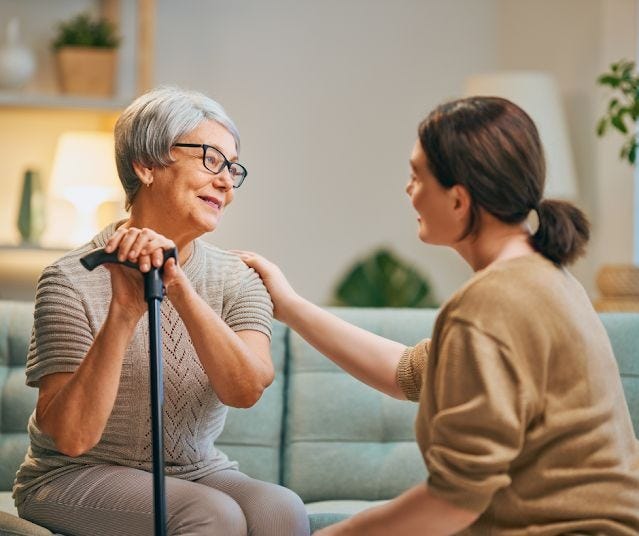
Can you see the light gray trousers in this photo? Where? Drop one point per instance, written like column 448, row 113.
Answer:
column 117, row 501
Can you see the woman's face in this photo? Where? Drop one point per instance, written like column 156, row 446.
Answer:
column 189, row 194
column 435, row 205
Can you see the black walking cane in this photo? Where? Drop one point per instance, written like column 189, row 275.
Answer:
column 153, row 294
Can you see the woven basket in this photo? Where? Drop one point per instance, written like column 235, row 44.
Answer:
column 618, row 281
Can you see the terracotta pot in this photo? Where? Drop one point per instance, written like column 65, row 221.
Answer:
column 87, row 71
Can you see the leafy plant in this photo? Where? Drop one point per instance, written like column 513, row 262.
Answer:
column 622, row 106
column 383, row 280
column 84, row 31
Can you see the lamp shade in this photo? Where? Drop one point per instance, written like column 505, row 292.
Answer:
column 84, row 165
column 84, row 174
column 538, row 95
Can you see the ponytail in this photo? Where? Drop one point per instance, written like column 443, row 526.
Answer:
column 563, row 231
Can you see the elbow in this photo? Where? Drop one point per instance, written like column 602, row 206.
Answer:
column 73, row 446
column 248, row 396
column 244, row 400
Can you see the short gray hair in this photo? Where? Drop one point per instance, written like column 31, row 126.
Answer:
column 152, row 123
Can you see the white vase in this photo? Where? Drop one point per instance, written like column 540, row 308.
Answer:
column 17, row 62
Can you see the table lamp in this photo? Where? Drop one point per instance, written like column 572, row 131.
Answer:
column 84, row 174
column 537, row 93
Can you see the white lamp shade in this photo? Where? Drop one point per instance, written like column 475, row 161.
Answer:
column 84, row 174
column 537, row 94
column 84, row 169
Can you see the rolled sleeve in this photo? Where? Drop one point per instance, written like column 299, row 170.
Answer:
column 251, row 307
column 410, row 370
column 479, row 420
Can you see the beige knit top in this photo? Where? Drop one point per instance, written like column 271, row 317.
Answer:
column 71, row 305
column 522, row 415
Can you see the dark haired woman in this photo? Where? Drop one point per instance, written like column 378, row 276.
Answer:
column 522, row 421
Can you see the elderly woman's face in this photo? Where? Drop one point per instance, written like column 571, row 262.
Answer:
column 193, row 197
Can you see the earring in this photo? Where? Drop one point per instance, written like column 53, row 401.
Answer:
column 148, row 184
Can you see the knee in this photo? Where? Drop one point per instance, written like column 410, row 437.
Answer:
column 283, row 512
column 206, row 513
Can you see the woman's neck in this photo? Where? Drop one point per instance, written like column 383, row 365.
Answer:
column 495, row 241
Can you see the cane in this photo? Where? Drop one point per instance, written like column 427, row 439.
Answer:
column 153, row 294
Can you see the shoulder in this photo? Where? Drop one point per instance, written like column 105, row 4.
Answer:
column 224, row 264
column 67, row 271
column 507, row 293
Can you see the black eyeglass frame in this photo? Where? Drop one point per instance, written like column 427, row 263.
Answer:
column 225, row 164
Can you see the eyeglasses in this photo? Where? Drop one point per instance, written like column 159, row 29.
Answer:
column 215, row 162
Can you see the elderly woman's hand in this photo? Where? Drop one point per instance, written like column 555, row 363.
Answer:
column 146, row 248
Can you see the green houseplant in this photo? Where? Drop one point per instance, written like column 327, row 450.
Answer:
column 382, row 279
column 86, row 55
column 619, row 284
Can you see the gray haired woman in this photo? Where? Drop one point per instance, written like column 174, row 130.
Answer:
column 88, row 467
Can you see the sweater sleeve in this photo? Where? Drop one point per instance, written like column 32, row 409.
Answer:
column 61, row 335
column 479, row 418
column 410, row 370
column 250, row 307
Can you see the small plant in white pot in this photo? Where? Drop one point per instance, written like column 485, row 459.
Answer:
column 86, row 56
column 619, row 283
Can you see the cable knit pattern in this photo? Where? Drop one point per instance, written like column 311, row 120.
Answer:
column 71, row 305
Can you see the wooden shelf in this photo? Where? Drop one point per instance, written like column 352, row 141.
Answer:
column 58, row 101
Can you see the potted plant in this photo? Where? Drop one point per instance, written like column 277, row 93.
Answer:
column 619, row 284
column 381, row 279
column 86, row 55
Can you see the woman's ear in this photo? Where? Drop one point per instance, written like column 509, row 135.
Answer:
column 144, row 173
column 461, row 200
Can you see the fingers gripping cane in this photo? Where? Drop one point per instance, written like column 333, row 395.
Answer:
column 153, row 295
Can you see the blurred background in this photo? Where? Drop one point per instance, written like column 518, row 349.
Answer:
column 327, row 97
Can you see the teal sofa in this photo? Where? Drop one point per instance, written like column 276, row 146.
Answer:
column 339, row 444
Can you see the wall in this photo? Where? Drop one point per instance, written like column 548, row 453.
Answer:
column 327, row 96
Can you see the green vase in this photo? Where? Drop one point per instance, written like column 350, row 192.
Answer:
column 31, row 212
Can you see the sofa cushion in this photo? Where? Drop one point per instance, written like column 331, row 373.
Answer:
column 16, row 399
column 253, row 436
column 623, row 331
column 344, row 440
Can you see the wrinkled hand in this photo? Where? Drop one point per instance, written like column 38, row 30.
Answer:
column 145, row 248
column 281, row 291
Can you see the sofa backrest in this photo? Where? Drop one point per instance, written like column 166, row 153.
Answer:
column 623, row 330
column 253, row 436
column 16, row 399
column 344, row 440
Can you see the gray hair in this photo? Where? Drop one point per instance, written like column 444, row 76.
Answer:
column 152, row 123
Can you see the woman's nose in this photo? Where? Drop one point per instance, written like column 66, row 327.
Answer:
column 223, row 180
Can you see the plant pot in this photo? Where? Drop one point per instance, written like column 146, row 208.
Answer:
column 619, row 288
column 87, row 71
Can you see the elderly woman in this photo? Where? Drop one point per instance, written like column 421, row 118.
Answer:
column 87, row 471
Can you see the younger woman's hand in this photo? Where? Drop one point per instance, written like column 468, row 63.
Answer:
column 282, row 293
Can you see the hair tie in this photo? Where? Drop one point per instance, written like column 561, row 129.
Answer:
column 532, row 221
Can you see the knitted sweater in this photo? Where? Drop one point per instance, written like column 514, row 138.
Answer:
column 71, row 306
column 522, row 415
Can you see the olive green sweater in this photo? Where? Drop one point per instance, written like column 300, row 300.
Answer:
column 522, row 415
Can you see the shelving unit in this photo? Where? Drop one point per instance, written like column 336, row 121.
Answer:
column 32, row 120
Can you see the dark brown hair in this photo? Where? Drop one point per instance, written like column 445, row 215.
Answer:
column 491, row 147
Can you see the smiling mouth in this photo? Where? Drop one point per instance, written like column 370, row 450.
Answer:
column 211, row 201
